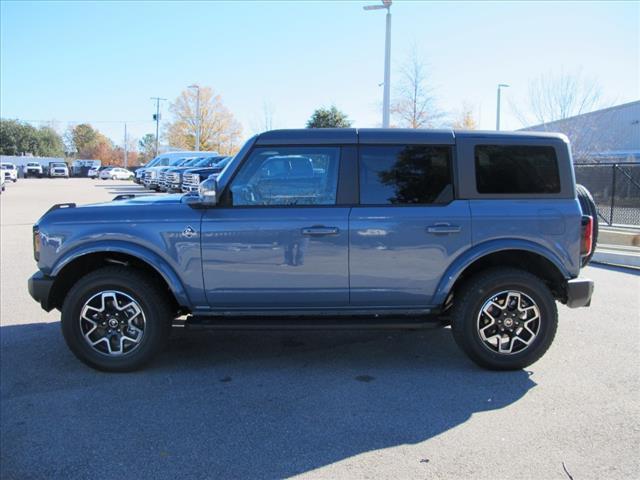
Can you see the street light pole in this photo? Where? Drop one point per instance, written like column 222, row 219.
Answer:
column 500, row 86
column 197, row 146
column 386, row 95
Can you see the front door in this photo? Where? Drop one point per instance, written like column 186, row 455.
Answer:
column 278, row 241
column 408, row 227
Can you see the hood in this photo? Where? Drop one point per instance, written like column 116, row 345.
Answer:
column 201, row 171
column 141, row 200
column 110, row 211
column 178, row 169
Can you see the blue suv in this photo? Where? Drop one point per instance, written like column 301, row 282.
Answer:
column 332, row 228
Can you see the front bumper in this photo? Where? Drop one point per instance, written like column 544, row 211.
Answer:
column 40, row 289
column 579, row 292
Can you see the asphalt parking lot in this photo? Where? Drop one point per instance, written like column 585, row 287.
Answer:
column 345, row 405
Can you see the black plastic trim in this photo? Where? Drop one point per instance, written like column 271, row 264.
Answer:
column 579, row 292
column 40, row 289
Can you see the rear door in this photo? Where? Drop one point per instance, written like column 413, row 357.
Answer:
column 408, row 226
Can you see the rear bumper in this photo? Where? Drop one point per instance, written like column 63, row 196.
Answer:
column 579, row 292
column 40, row 289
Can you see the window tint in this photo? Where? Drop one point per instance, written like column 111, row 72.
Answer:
column 516, row 169
column 413, row 174
column 288, row 176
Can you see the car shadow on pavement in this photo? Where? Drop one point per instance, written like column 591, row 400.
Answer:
column 235, row 404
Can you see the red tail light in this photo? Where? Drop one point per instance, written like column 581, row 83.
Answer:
column 587, row 235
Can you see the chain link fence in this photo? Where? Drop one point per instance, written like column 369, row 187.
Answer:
column 616, row 190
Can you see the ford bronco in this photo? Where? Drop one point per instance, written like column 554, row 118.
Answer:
column 332, row 228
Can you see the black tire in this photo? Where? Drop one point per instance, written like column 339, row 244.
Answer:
column 588, row 208
column 472, row 295
column 137, row 285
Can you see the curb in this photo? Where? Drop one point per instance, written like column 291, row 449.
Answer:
column 609, row 254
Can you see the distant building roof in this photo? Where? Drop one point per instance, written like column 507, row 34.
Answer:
column 612, row 132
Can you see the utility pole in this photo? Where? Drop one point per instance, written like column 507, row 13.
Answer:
column 156, row 117
column 500, row 85
column 197, row 87
column 125, row 145
column 386, row 95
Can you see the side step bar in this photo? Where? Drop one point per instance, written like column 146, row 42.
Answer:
column 308, row 323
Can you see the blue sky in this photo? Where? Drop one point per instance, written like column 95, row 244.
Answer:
column 100, row 62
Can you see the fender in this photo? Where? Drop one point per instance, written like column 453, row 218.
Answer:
column 463, row 261
column 152, row 259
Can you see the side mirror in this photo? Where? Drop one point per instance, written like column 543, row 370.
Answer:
column 208, row 191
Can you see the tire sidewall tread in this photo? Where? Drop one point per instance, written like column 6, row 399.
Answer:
column 134, row 283
column 475, row 291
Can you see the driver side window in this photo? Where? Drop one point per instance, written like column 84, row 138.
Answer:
column 283, row 176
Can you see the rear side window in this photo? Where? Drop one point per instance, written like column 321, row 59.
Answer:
column 516, row 169
column 405, row 175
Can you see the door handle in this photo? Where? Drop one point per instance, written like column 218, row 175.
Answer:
column 443, row 229
column 319, row 231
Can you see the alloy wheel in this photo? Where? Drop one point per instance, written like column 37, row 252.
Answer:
column 508, row 322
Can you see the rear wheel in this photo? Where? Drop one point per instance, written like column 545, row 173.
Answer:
column 115, row 319
column 504, row 318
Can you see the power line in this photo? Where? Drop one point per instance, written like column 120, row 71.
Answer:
column 55, row 120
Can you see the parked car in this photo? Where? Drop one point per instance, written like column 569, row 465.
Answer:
column 139, row 173
column 163, row 184
column 9, row 171
column 94, row 172
column 192, row 177
column 33, row 169
column 116, row 173
column 175, row 176
column 58, row 169
column 366, row 228
column 151, row 174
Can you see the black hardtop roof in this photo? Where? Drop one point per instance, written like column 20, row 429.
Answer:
column 341, row 136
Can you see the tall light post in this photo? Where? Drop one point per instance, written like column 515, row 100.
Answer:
column 197, row 149
column 386, row 100
column 500, row 86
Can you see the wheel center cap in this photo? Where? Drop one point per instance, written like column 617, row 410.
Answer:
column 113, row 323
column 508, row 322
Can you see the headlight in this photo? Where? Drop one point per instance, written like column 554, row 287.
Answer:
column 36, row 243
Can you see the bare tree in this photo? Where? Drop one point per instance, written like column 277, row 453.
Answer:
column 556, row 96
column 267, row 115
column 414, row 105
column 265, row 121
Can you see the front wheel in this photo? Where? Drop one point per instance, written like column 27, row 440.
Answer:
column 115, row 319
column 504, row 318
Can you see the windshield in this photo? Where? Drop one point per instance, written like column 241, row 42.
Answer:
column 223, row 163
column 33, row 164
column 191, row 162
column 59, row 165
column 176, row 162
column 224, row 174
column 7, row 166
column 207, row 162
